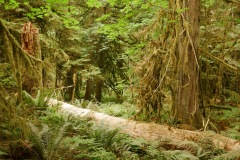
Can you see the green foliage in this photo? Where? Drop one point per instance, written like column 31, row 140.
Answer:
column 230, row 121
column 125, row 110
column 2, row 153
column 6, row 78
column 208, row 3
column 40, row 101
column 11, row 4
column 118, row 110
column 58, row 2
column 94, row 3
column 232, row 95
column 89, row 148
column 127, row 20
column 191, row 147
column 47, row 141
column 232, row 155
column 5, row 131
column 41, row 12
column 52, row 118
column 178, row 154
column 108, row 42
column 103, row 136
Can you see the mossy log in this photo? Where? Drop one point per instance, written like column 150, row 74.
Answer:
column 148, row 131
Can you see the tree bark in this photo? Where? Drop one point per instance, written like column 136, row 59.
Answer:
column 187, row 109
column 148, row 131
column 89, row 89
column 98, row 89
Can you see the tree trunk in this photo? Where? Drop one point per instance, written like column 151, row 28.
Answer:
column 187, row 109
column 31, row 44
column 70, row 85
column 78, row 85
column 38, row 55
column 89, row 88
column 148, row 131
column 98, row 90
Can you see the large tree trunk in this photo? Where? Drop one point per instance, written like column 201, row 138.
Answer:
column 148, row 131
column 187, row 109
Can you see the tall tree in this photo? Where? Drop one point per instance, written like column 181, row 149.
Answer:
column 171, row 62
column 187, row 106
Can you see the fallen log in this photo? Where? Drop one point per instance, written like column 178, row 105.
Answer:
column 148, row 131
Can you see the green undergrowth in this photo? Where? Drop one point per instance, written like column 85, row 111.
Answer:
column 222, row 121
column 69, row 138
column 59, row 137
column 124, row 110
column 227, row 122
column 49, row 136
column 53, row 136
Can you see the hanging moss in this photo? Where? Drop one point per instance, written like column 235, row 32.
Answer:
column 19, row 59
column 157, row 70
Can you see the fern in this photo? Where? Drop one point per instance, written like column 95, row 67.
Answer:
column 99, row 154
column 5, row 131
column 86, row 148
column 177, row 154
column 37, row 140
column 191, row 147
column 39, row 101
column 105, row 137
column 207, row 144
column 233, row 132
column 209, row 149
column 46, row 141
column 3, row 154
column 234, row 96
column 232, row 155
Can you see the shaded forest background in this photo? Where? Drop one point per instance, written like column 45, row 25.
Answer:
column 92, row 53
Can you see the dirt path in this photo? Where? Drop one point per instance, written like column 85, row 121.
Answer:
column 148, row 131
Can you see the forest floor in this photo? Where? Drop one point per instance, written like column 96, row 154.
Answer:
column 159, row 140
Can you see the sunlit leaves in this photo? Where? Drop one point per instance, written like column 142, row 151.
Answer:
column 94, row 3
column 112, row 2
column 60, row 8
column 12, row 4
column 208, row 3
column 70, row 22
column 104, row 17
column 57, row 2
column 126, row 18
column 39, row 12
column 163, row 3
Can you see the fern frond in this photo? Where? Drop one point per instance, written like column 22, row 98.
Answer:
column 177, row 154
column 59, row 138
column 46, row 141
column 39, row 101
column 110, row 138
column 234, row 96
column 37, row 139
column 232, row 155
column 190, row 146
column 28, row 97
column 207, row 144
